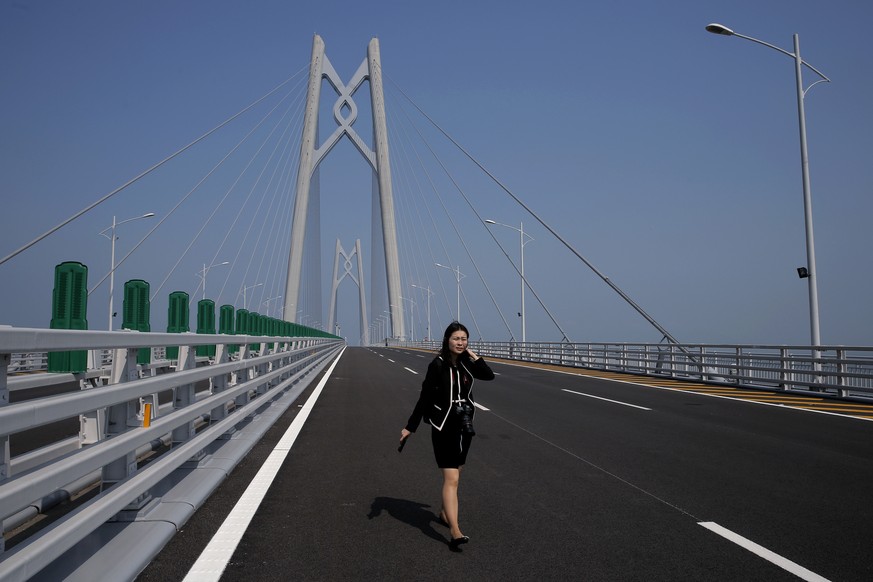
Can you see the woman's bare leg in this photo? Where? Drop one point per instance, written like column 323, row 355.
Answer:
column 451, row 478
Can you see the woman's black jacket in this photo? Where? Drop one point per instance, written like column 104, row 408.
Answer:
column 435, row 401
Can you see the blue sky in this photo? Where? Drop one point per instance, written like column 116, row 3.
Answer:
column 667, row 156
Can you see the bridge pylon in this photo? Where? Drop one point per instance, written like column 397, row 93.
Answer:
column 345, row 113
column 359, row 281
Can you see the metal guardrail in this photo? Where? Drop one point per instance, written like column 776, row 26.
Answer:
column 837, row 371
column 132, row 442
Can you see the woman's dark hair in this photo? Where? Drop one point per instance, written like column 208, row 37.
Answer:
column 453, row 327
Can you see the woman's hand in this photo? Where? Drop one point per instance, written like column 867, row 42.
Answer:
column 404, row 434
column 472, row 354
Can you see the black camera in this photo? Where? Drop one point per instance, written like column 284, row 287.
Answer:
column 464, row 412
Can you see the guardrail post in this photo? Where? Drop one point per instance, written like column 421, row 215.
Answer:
column 263, row 369
column 4, row 438
column 185, row 396
column 706, row 372
column 286, row 361
column 220, row 384
column 120, row 418
column 841, row 373
column 243, row 375
column 785, row 374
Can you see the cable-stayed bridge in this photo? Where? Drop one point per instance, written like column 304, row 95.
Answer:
column 115, row 449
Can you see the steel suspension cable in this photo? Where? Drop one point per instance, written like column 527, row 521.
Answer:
column 234, row 183
column 279, row 245
column 254, row 217
column 412, row 210
column 173, row 210
column 494, row 238
column 274, row 216
column 238, row 215
column 545, row 225
column 184, row 198
column 147, row 172
column 463, row 243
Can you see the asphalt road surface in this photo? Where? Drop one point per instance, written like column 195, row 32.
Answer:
column 569, row 478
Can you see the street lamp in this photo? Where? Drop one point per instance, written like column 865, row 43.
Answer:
column 458, row 276
column 523, row 242
column 812, row 274
column 267, row 303
column 429, row 293
column 245, row 294
column 112, row 238
column 202, row 273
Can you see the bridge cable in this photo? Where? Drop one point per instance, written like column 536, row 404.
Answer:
column 179, row 203
column 230, row 189
column 270, row 213
column 460, row 236
column 234, row 184
column 415, row 258
column 491, row 234
column 245, row 237
column 606, row 279
column 146, row 172
column 237, row 216
column 437, row 231
column 284, row 226
column 427, row 207
column 176, row 207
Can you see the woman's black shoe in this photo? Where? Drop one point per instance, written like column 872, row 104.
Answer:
column 456, row 542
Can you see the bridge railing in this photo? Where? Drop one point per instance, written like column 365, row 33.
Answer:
column 140, row 424
column 838, row 371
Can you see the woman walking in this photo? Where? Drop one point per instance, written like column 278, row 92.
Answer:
column 446, row 402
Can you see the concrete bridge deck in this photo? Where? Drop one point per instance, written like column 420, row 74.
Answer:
column 570, row 478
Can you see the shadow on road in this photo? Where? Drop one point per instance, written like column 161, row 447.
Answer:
column 417, row 515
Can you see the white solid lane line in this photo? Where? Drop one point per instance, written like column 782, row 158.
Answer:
column 607, row 399
column 214, row 558
column 763, row 552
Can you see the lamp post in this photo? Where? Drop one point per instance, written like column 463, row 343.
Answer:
column 245, row 294
column 202, row 273
column 811, row 272
column 523, row 242
column 429, row 293
column 380, row 328
column 112, row 259
column 411, row 317
column 458, row 276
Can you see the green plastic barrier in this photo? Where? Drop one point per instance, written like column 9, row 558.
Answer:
column 69, row 311
column 136, row 312
column 177, row 319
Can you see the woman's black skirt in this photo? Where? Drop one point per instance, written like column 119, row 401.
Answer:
column 450, row 447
